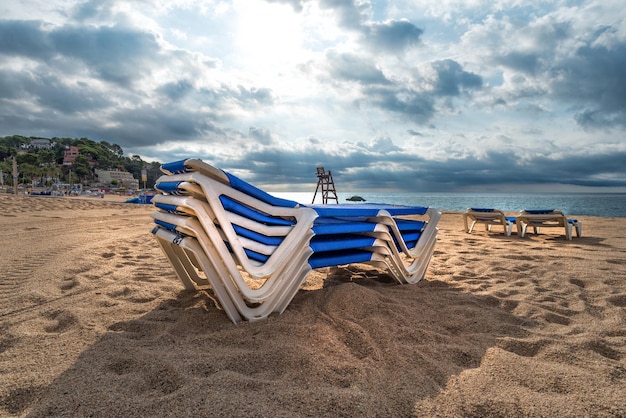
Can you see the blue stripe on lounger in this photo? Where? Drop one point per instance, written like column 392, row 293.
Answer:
column 328, row 226
column 322, row 243
column 169, row 187
column 166, row 207
column 410, row 225
column 253, row 191
column 320, row 259
column 165, row 225
column 174, row 167
column 337, row 258
column 365, row 209
column 539, row 211
column 482, row 209
column 411, row 236
column 236, row 207
column 410, row 239
column 255, row 236
column 252, row 255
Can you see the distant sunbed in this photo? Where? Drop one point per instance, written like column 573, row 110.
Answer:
column 548, row 218
column 489, row 217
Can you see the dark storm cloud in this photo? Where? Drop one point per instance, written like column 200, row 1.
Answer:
column 24, row 39
column 361, row 169
column 593, row 80
column 545, row 40
column 218, row 99
column 382, row 145
column 254, row 95
column 150, row 126
column 392, row 35
column 414, row 105
column 396, row 96
column 588, row 77
column 115, row 54
column 50, row 91
column 176, row 90
column 350, row 13
column 67, row 97
column 260, row 135
column 351, row 67
column 525, row 62
column 452, row 79
column 90, row 9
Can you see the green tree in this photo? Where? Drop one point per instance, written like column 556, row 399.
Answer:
column 27, row 172
column 81, row 167
column 27, row 158
column 46, row 157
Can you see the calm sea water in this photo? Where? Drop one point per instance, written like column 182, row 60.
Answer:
column 588, row 204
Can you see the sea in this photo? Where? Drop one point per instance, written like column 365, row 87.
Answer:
column 606, row 205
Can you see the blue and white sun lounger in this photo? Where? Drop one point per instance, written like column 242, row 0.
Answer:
column 489, row 217
column 255, row 250
column 548, row 218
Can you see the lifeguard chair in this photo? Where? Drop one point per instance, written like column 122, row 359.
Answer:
column 326, row 184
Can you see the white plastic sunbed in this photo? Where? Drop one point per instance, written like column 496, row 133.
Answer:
column 547, row 218
column 489, row 217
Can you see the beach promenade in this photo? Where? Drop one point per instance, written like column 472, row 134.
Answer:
column 93, row 322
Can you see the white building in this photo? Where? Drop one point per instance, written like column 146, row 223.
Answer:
column 41, row 143
column 124, row 178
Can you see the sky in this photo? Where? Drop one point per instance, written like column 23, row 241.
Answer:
column 402, row 95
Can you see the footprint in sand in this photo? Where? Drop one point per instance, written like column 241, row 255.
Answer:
column 554, row 318
column 604, row 349
column 69, row 284
column 62, row 321
column 577, row 282
column 18, row 400
column 618, row 300
column 6, row 340
column 522, row 347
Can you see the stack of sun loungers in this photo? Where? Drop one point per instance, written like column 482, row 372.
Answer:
column 254, row 250
column 548, row 218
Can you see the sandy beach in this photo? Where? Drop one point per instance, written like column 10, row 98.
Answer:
column 93, row 322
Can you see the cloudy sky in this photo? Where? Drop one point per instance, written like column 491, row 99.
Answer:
column 402, row 95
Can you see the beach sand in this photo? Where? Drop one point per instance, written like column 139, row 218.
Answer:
column 93, row 322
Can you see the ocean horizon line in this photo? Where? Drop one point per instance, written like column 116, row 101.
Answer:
column 605, row 204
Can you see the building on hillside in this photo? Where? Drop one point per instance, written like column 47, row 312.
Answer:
column 123, row 178
column 70, row 155
column 41, row 143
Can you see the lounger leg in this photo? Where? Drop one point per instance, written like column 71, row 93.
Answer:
column 521, row 229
